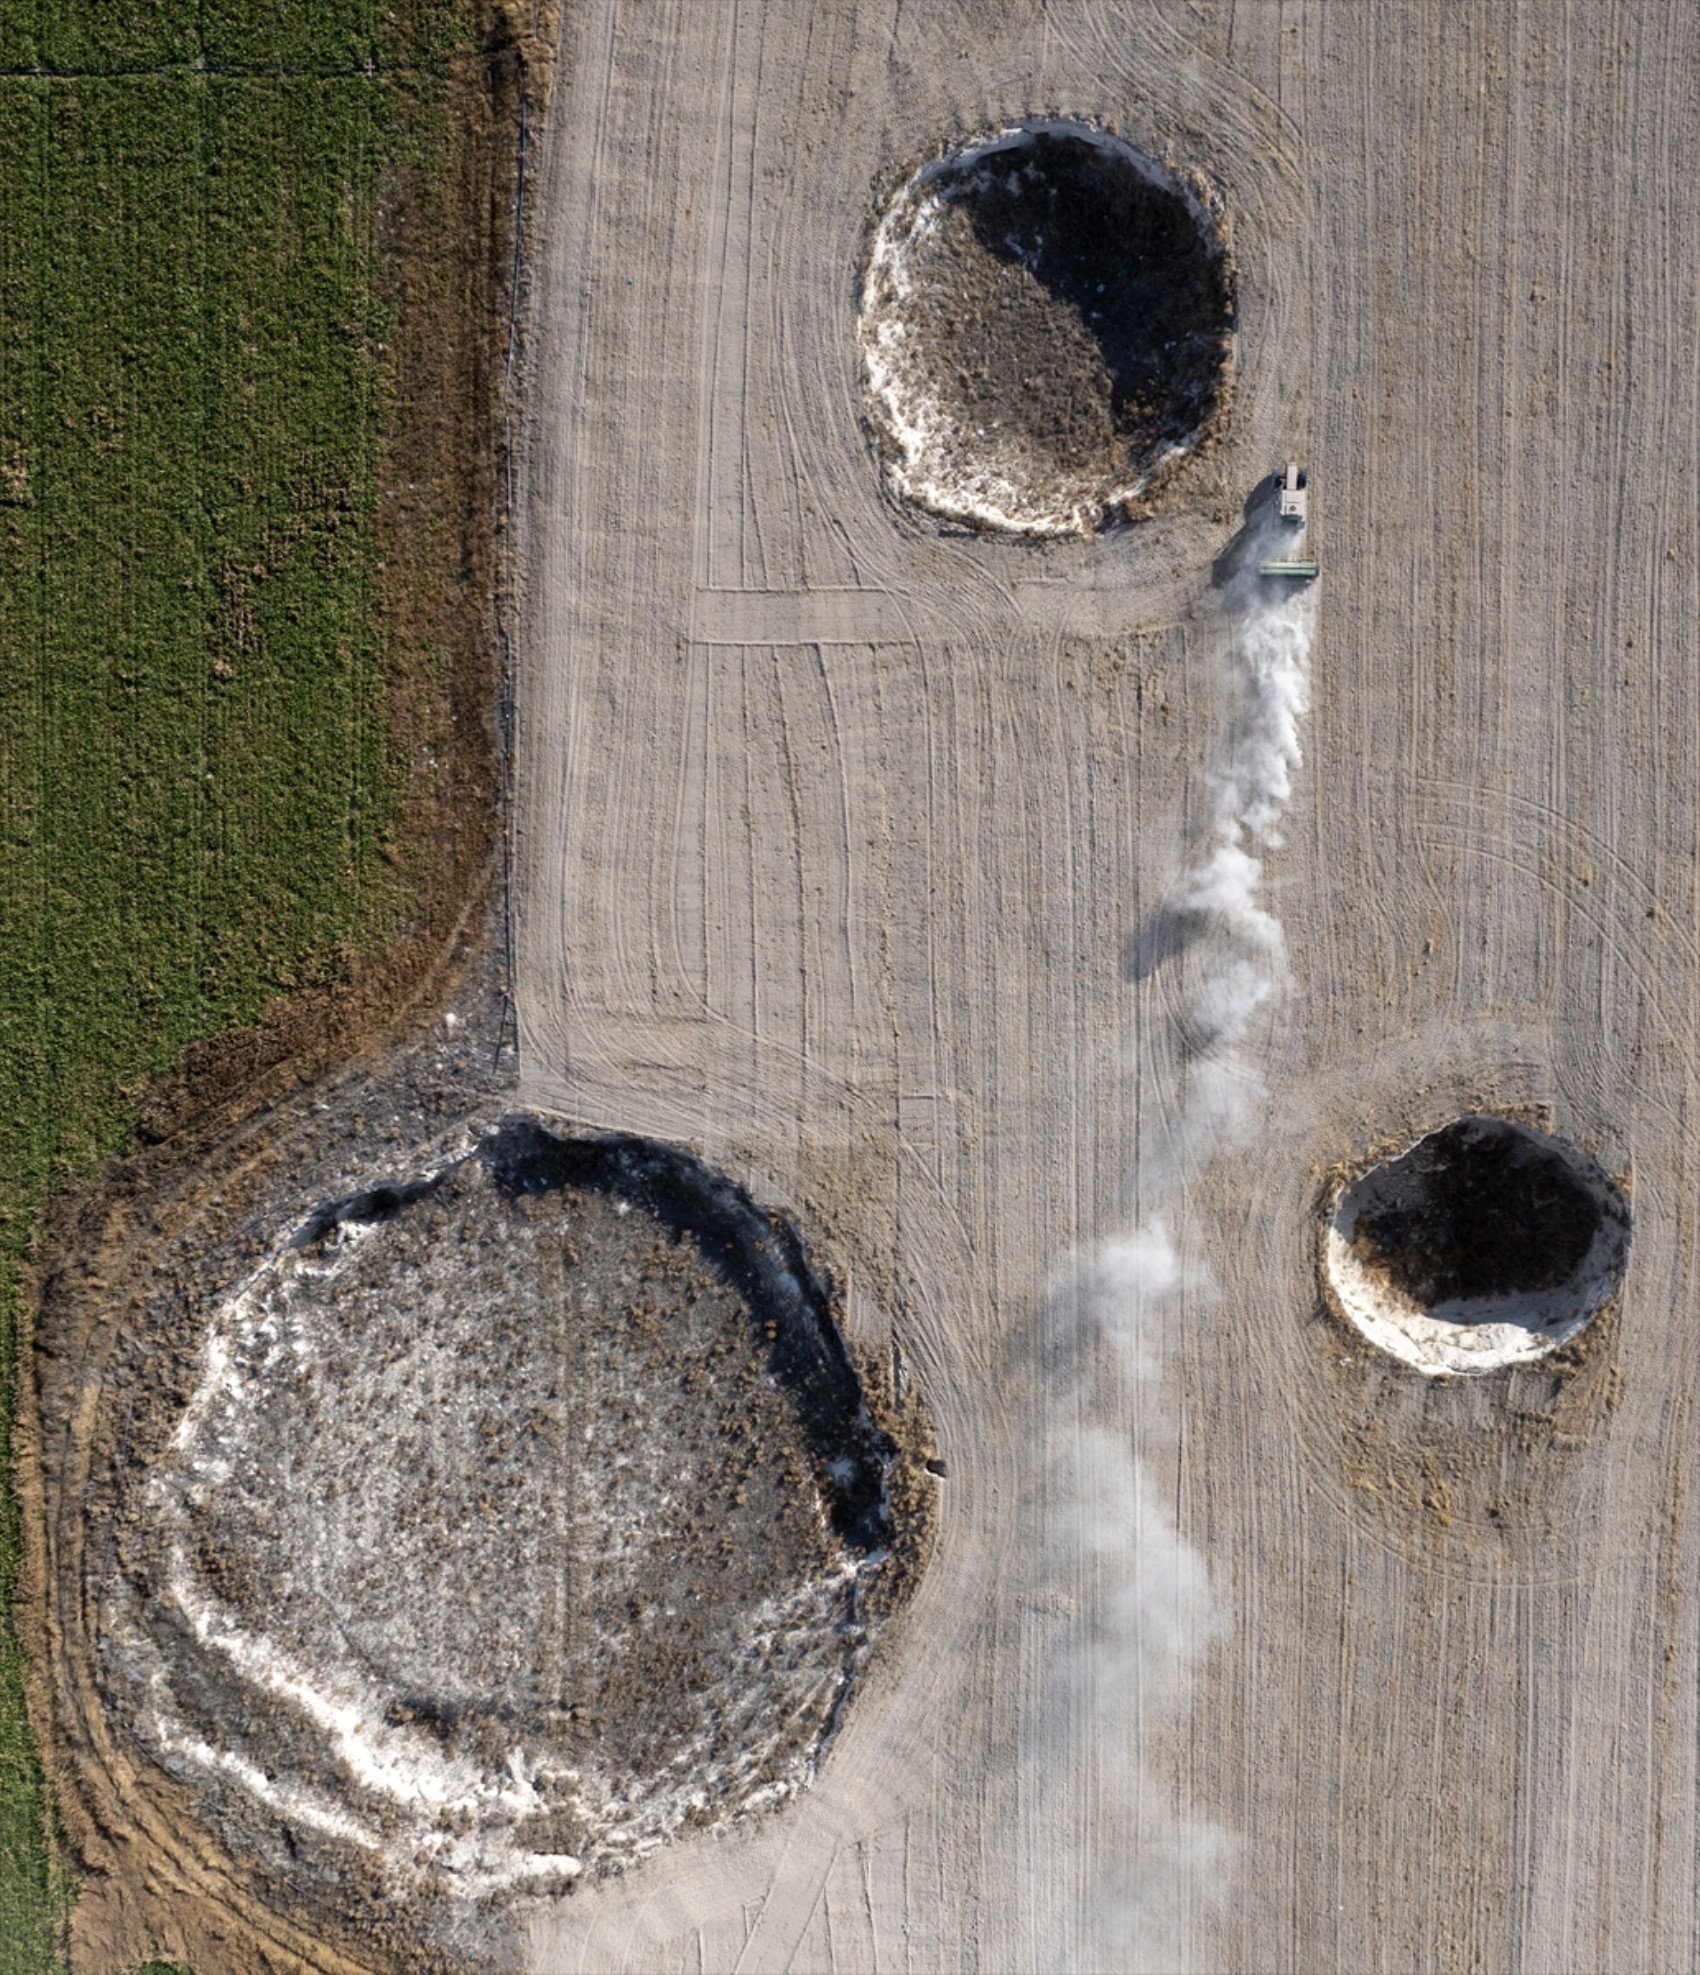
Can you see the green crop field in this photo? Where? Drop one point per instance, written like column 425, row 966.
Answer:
column 196, row 779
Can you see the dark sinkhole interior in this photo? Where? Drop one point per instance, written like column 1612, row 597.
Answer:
column 1482, row 1215
column 1070, row 300
column 761, row 1257
column 1122, row 255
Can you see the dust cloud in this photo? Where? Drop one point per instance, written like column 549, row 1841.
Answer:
column 1134, row 1602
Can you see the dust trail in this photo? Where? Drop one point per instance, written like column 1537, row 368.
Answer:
column 1137, row 1602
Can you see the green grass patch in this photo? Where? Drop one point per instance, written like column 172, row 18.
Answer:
column 196, row 782
column 111, row 37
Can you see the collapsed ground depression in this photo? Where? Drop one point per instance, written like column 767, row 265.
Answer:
column 508, row 1514
column 1045, row 324
column 1483, row 1244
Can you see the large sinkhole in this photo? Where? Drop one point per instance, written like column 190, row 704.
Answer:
column 512, row 1517
column 1484, row 1243
column 1046, row 319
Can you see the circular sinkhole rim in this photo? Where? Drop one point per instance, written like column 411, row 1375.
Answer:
column 1529, row 1325
column 901, row 425
column 342, row 1712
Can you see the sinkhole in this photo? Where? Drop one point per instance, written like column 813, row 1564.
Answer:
column 1483, row 1244
column 1046, row 320
column 513, row 1516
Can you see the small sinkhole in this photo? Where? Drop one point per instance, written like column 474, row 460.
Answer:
column 1484, row 1243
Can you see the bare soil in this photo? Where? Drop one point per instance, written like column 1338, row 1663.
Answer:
column 839, row 831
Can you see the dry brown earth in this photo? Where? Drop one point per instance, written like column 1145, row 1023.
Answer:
column 833, row 829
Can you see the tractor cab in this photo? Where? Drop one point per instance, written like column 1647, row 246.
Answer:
column 1292, row 510
column 1292, row 493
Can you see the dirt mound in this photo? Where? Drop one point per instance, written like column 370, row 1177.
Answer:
column 509, row 1518
column 1483, row 1243
column 1046, row 321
